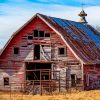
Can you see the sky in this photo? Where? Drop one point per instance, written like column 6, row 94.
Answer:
column 14, row 13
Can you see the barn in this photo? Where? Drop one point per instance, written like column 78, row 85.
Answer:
column 53, row 53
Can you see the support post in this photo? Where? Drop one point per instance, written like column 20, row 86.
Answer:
column 40, row 83
column 59, row 81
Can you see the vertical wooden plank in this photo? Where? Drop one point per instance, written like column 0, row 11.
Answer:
column 24, row 76
column 59, row 81
column 49, row 81
column 10, row 91
column 40, row 82
column 66, row 80
column 33, row 50
column 33, row 87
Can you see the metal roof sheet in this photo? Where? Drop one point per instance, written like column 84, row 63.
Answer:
column 83, row 27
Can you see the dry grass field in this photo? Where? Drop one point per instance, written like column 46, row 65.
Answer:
column 84, row 95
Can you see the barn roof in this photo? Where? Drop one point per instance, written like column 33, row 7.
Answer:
column 83, row 39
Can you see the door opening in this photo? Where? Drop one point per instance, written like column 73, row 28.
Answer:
column 36, row 52
column 33, row 71
column 73, row 80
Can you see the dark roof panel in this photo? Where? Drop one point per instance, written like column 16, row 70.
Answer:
column 83, row 27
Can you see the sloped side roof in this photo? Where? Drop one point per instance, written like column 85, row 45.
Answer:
column 83, row 39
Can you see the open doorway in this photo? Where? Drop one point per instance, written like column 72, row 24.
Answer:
column 73, row 80
column 36, row 52
column 33, row 71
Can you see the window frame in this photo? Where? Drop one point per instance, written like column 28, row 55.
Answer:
column 34, row 34
column 38, row 34
column 14, row 51
column 30, row 36
column 65, row 52
column 7, row 83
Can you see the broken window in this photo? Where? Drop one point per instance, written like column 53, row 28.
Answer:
column 6, row 81
column 30, row 37
column 16, row 50
column 41, row 33
column 35, row 33
column 61, row 51
column 73, row 80
column 24, row 46
column 47, row 35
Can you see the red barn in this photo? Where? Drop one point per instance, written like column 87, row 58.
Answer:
column 48, row 48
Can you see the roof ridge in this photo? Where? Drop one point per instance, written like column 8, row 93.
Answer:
column 56, row 17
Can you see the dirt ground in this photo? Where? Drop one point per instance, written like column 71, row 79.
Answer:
column 83, row 95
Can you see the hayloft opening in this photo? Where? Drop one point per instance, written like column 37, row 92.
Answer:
column 36, row 52
column 16, row 50
column 33, row 71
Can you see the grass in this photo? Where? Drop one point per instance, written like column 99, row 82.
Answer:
column 83, row 95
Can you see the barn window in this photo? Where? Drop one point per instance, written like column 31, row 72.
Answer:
column 41, row 33
column 16, row 50
column 47, row 35
column 24, row 46
column 35, row 33
column 6, row 81
column 30, row 37
column 73, row 80
column 61, row 51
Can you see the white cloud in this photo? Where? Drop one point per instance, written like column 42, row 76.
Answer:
column 15, row 16
column 93, row 15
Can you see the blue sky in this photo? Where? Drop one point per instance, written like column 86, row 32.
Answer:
column 61, row 2
column 14, row 13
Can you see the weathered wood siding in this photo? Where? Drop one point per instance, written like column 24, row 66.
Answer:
column 92, row 76
column 9, row 61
